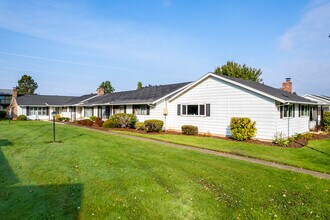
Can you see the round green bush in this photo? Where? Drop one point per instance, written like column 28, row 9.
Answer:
column 326, row 120
column 110, row 123
column 139, row 125
column 153, row 125
column 122, row 120
column 189, row 129
column 242, row 128
column 21, row 118
column 93, row 118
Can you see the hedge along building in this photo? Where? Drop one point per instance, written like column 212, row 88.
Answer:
column 208, row 103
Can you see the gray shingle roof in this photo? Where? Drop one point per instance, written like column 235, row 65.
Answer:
column 41, row 100
column 79, row 99
column 278, row 93
column 5, row 91
column 145, row 95
column 324, row 97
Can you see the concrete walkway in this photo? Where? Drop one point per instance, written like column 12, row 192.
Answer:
column 228, row 155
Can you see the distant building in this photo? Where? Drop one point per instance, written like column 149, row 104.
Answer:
column 5, row 98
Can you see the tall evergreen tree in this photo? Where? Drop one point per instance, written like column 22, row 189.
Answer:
column 139, row 86
column 26, row 85
column 106, row 85
column 239, row 71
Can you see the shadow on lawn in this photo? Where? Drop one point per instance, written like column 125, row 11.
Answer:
column 36, row 201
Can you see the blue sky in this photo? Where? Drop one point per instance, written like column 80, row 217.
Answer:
column 70, row 47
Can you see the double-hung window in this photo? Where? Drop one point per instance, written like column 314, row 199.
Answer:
column 88, row 112
column 141, row 109
column 37, row 111
column 287, row 111
column 193, row 109
column 304, row 110
column 119, row 109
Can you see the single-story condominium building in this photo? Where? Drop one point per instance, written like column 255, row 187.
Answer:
column 209, row 103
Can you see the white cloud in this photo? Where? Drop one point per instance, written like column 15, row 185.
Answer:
column 304, row 51
column 312, row 30
column 72, row 25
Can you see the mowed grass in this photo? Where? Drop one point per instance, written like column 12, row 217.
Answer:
column 96, row 175
column 315, row 156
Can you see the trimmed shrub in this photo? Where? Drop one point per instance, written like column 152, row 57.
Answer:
column 189, row 129
column 98, row 122
column 153, row 125
column 86, row 122
column 93, row 118
column 3, row 114
column 307, row 136
column 110, row 123
column 242, row 128
column 139, row 125
column 22, row 118
column 57, row 117
column 281, row 140
column 63, row 119
column 123, row 120
column 326, row 120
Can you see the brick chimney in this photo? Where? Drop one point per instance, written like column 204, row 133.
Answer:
column 14, row 92
column 287, row 85
column 100, row 91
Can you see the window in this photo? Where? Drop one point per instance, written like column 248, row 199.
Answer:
column 105, row 111
column 37, row 111
column 119, row 109
column 286, row 111
column 141, row 109
column 193, row 110
column 304, row 110
column 88, row 112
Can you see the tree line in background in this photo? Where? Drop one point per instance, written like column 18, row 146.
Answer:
column 27, row 85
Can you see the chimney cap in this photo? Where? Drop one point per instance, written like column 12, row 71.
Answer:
column 288, row 79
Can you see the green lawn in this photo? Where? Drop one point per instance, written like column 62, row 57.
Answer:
column 92, row 174
column 315, row 156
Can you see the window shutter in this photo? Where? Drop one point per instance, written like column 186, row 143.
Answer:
column 92, row 111
column 124, row 108
column 179, row 109
column 184, row 109
column 201, row 109
column 281, row 111
column 208, row 110
column 299, row 110
column 27, row 110
column 47, row 110
column 148, row 110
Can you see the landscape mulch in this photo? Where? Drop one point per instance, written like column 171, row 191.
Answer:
column 295, row 144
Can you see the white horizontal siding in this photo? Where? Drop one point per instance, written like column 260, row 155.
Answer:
column 226, row 101
column 156, row 112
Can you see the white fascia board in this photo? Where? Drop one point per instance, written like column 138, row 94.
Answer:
column 319, row 100
column 230, row 81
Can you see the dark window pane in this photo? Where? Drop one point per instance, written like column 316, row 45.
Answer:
column 192, row 109
column 285, row 111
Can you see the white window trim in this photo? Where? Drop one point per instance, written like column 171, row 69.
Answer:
column 199, row 115
column 286, row 117
column 140, row 110
column 308, row 111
